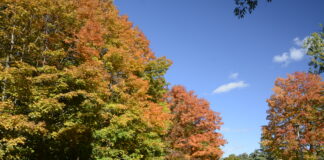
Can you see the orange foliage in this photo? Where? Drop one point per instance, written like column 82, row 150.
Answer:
column 193, row 133
column 295, row 115
column 90, row 37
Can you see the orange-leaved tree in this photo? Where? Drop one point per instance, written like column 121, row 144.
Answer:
column 78, row 81
column 295, row 114
column 193, row 134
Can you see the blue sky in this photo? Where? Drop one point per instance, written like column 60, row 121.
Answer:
column 231, row 62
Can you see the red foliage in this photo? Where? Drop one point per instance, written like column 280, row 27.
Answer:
column 194, row 123
column 295, row 115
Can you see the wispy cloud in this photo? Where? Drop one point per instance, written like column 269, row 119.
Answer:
column 300, row 42
column 284, row 57
column 297, row 54
column 233, row 75
column 294, row 54
column 230, row 86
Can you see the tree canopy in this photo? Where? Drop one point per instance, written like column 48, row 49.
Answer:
column 193, row 133
column 295, row 115
column 258, row 154
column 78, row 81
column 315, row 49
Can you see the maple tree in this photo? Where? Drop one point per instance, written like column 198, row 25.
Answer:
column 193, row 133
column 295, row 114
column 78, row 81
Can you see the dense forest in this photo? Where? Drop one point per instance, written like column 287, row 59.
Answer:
column 79, row 81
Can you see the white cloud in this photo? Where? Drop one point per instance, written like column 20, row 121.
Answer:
column 233, row 75
column 300, row 42
column 294, row 54
column 230, row 86
column 283, row 58
column 297, row 54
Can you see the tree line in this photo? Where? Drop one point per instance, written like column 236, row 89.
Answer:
column 79, row 81
column 295, row 114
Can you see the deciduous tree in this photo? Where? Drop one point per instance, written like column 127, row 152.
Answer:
column 194, row 132
column 315, row 49
column 295, row 114
column 78, row 81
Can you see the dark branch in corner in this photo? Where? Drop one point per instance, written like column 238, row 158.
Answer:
column 245, row 6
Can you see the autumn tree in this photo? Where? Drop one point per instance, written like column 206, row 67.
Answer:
column 295, row 115
column 78, row 81
column 194, row 131
column 137, row 117
column 33, row 82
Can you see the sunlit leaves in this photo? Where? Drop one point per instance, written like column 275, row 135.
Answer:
column 79, row 81
column 193, row 134
column 295, row 117
column 315, row 49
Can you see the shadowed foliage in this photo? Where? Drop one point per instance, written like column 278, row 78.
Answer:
column 245, row 6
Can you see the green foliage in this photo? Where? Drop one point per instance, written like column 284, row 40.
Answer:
column 245, row 6
column 232, row 157
column 315, row 49
column 62, row 98
column 36, row 31
column 154, row 72
column 79, row 81
column 258, row 154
